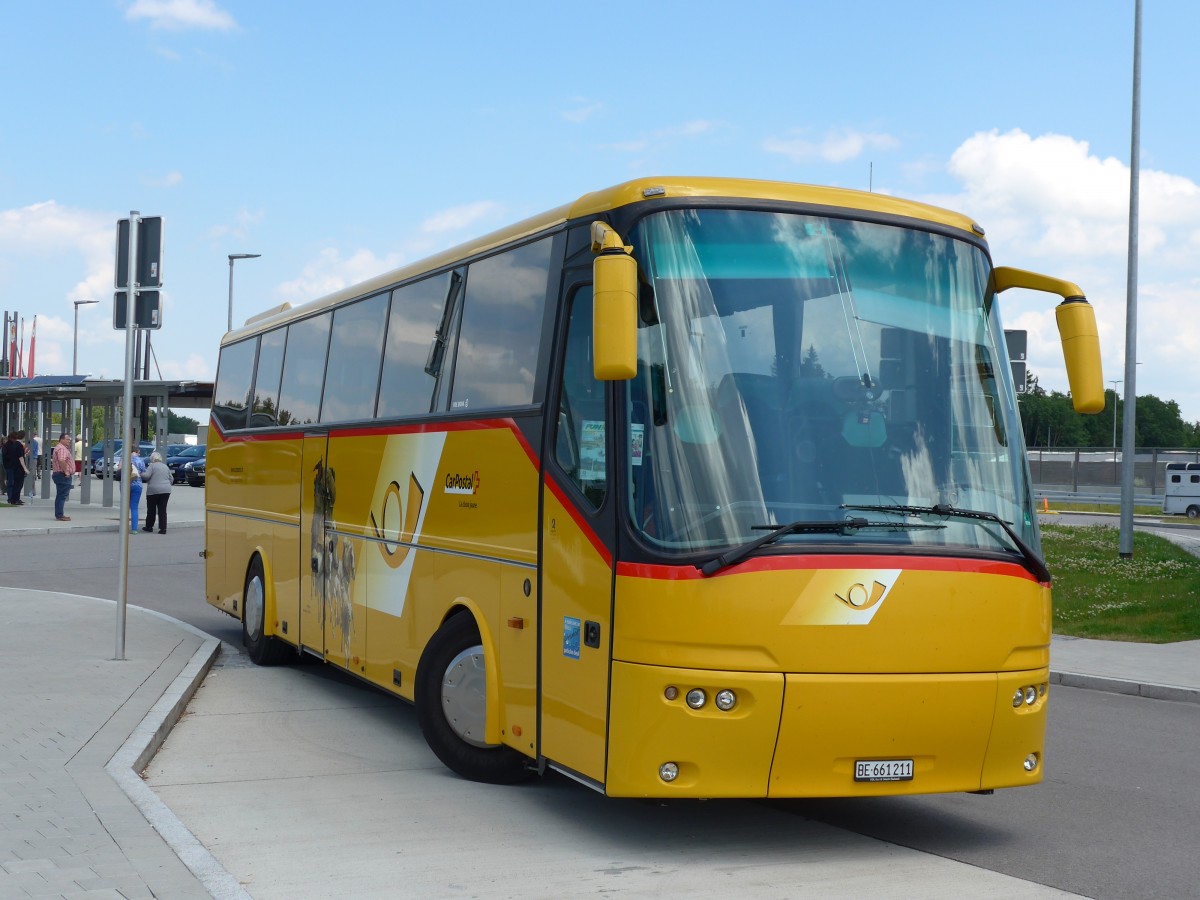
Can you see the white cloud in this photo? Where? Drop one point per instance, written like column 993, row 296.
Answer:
column 837, row 146
column 178, row 15
column 45, row 231
column 1048, row 203
column 459, row 217
column 330, row 272
column 196, row 367
column 243, row 222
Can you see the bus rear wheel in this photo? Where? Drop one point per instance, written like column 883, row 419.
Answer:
column 451, row 700
column 263, row 649
column 1193, row 512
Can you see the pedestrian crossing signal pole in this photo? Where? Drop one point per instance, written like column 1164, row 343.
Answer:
column 135, row 306
column 130, row 287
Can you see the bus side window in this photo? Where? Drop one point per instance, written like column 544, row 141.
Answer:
column 266, row 378
column 235, row 372
column 304, row 370
column 355, row 353
column 496, row 358
column 418, row 312
column 580, row 441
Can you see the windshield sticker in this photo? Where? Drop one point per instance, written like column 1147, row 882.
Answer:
column 571, row 637
column 591, row 451
column 637, row 442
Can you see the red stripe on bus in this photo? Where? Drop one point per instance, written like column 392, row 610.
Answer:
column 578, row 519
column 378, row 430
column 830, row 561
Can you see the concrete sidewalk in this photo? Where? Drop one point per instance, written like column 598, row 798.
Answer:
column 77, row 729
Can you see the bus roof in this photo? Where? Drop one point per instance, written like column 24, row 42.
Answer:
column 641, row 190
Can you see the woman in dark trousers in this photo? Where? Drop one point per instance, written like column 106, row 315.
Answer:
column 14, row 466
column 158, row 491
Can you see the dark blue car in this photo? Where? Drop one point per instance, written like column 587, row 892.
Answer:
column 179, row 460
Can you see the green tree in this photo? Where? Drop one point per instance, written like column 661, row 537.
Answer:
column 1050, row 420
column 176, row 424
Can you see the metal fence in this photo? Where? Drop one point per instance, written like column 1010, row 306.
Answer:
column 1087, row 470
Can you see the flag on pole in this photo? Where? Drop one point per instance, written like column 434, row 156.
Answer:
column 32, row 340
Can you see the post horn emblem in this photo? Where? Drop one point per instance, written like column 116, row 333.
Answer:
column 859, row 597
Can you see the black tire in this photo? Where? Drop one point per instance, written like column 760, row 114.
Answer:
column 1193, row 512
column 451, row 704
column 264, row 650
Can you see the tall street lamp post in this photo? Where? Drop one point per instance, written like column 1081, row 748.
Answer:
column 232, row 257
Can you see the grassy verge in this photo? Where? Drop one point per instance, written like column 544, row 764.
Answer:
column 1154, row 597
column 1110, row 508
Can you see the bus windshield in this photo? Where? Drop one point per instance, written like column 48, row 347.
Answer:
column 793, row 367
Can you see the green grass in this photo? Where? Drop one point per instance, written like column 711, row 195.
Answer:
column 1153, row 597
column 1110, row 508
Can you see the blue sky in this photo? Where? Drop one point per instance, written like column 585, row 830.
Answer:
column 340, row 140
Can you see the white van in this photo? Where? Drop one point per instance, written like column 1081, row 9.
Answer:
column 1182, row 489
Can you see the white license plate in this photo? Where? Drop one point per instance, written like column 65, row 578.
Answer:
column 883, row 770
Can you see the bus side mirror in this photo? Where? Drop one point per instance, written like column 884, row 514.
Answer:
column 1076, row 329
column 614, row 306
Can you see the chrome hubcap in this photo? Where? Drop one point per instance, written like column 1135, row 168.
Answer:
column 253, row 608
column 464, row 695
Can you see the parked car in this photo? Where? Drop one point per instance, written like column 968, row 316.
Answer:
column 98, row 452
column 176, row 461
column 145, row 448
column 193, row 472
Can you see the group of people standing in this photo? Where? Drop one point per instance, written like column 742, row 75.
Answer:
column 158, row 479
column 22, row 461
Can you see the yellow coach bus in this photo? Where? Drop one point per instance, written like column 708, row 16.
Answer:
column 689, row 488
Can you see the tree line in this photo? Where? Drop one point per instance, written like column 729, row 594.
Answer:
column 1049, row 420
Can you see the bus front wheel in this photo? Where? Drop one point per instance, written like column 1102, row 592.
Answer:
column 451, row 700
column 263, row 649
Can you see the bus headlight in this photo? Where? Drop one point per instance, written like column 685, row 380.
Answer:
column 668, row 771
column 1031, row 762
column 1031, row 695
column 725, row 700
column 1018, row 697
column 696, row 698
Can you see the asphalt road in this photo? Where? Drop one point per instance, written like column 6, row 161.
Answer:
column 1118, row 815
column 166, row 572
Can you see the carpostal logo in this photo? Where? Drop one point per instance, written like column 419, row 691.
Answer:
column 457, row 483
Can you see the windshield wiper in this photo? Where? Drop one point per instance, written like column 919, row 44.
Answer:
column 1033, row 562
column 737, row 554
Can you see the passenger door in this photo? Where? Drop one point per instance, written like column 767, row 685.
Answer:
column 576, row 573
column 314, row 502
